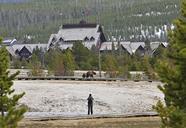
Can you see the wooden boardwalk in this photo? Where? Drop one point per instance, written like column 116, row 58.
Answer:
column 77, row 117
column 69, row 78
column 72, row 78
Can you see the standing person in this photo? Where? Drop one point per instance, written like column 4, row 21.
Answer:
column 90, row 104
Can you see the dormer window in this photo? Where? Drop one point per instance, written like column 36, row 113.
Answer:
column 17, row 51
column 60, row 39
column 86, row 39
column 92, row 38
column 51, row 45
column 53, row 39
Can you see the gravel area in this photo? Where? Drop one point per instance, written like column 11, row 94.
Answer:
column 55, row 98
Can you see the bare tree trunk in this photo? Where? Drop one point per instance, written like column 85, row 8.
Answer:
column 2, row 112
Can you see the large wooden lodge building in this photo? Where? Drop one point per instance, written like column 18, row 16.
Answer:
column 89, row 34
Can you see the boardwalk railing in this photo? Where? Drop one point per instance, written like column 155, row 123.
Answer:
column 76, row 78
column 68, row 78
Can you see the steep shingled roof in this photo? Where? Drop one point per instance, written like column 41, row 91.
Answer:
column 75, row 34
column 11, row 50
column 126, row 45
column 135, row 45
column 30, row 47
column 131, row 47
column 89, row 34
column 154, row 45
column 69, row 26
column 108, row 46
column 9, row 41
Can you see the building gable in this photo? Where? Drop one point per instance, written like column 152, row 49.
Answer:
column 140, row 51
column 126, row 46
column 125, row 50
column 89, row 34
column 9, row 42
column 25, row 53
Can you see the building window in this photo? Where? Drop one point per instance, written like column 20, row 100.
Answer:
column 51, row 44
column 92, row 38
column 61, row 39
column 53, row 39
column 86, row 39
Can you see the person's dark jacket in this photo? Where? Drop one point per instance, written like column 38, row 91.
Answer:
column 90, row 100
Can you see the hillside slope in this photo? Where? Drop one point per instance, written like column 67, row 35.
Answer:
column 125, row 19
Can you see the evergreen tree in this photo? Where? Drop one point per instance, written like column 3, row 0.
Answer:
column 113, row 48
column 55, row 61
column 147, row 47
column 10, row 112
column 69, row 62
column 110, row 65
column 173, row 74
column 16, row 63
column 147, row 68
column 83, row 56
column 35, row 65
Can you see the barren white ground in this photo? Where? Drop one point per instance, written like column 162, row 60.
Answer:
column 55, row 98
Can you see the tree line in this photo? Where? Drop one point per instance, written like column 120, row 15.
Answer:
column 125, row 19
column 116, row 63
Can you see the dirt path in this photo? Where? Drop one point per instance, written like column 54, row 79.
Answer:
column 133, row 122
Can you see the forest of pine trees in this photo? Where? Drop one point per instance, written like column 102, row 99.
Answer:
column 122, row 19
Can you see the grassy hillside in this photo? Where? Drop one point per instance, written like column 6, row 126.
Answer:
column 125, row 19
